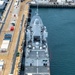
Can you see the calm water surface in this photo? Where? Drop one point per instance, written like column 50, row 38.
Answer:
column 60, row 24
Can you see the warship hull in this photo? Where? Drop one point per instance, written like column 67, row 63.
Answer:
column 36, row 53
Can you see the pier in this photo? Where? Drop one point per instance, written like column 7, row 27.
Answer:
column 54, row 5
column 15, row 17
column 24, row 10
column 5, row 14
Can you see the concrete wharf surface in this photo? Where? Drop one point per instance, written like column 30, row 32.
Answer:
column 5, row 14
column 4, row 30
column 8, row 57
column 24, row 10
column 55, row 5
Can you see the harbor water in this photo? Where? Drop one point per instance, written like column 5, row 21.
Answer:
column 60, row 25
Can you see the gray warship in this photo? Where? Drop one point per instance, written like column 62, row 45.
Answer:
column 36, row 53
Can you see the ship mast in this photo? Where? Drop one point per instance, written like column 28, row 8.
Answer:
column 37, row 7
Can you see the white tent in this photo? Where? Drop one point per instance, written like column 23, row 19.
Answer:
column 29, row 73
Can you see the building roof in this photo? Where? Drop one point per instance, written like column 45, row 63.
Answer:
column 1, row 2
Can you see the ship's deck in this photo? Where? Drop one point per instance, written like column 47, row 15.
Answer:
column 24, row 10
column 37, row 57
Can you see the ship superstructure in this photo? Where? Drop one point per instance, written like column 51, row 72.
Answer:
column 36, row 53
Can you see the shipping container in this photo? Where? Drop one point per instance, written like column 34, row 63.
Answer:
column 53, row 0
column 69, row 0
column 59, row 1
column 8, row 36
column 1, row 63
column 5, row 44
column 63, row 1
column 5, row 41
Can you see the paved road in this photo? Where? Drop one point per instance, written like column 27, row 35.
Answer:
column 17, row 44
column 5, row 17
